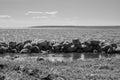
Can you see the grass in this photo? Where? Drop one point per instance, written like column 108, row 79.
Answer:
column 31, row 69
column 59, row 34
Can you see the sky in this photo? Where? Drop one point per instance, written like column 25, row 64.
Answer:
column 19, row 13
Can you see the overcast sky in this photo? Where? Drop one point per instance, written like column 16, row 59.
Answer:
column 59, row 12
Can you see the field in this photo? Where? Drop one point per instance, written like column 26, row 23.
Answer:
column 28, row 68
column 59, row 34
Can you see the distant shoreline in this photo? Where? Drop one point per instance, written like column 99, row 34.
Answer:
column 57, row 26
column 74, row 27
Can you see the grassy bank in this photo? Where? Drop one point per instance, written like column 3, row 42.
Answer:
column 28, row 68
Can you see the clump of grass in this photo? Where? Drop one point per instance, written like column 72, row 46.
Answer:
column 106, row 67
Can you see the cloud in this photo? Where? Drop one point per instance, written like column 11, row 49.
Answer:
column 52, row 13
column 40, row 17
column 41, row 13
column 33, row 12
column 5, row 16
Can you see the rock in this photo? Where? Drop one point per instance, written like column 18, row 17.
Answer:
column 2, row 66
column 2, row 77
column 25, row 51
column 44, row 45
column 76, row 41
column 3, row 44
column 12, row 45
column 35, row 49
column 10, row 50
column 117, row 49
column 33, row 72
column 72, row 48
column 27, row 41
column 40, row 59
column 3, row 49
column 49, row 77
column 19, row 46
column 27, row 46
column 56, row 47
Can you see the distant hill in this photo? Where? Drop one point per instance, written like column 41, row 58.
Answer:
column 75, row 27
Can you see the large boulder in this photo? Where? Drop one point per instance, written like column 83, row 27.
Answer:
column 12, row 45
column 3, row 44
column 76, row 45
column 65, row 46
column 33, row 43
column 107, row 48
column 27, row 46
column 3, row 49
column 40, row 59
column 35, row 49
column 19, row 46
column 95, row 42
column 86, row 47
column 76, row 41
column 56, row 47
column 91, row 46
column 95, row 45
column 114, row 45
column 117, row 50
column 43, row 45
column 27, row 41
column 72, row 48
column 10, row 50
column 25, row 51
column 110, row 47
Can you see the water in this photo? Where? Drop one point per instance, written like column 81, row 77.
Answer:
column 77, row 56
column 67, row 57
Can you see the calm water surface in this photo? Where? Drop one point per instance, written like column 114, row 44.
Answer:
column 78, row 56
column 68, row 56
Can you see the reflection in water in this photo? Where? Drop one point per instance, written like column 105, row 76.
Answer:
column 78, row 56
column 59, row 57
column 82, row 57
column 90, row 55
column 71, row 56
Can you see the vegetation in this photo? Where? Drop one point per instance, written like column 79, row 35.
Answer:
column 30, row 69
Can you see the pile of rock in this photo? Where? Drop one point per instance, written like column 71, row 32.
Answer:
column 75, row 45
